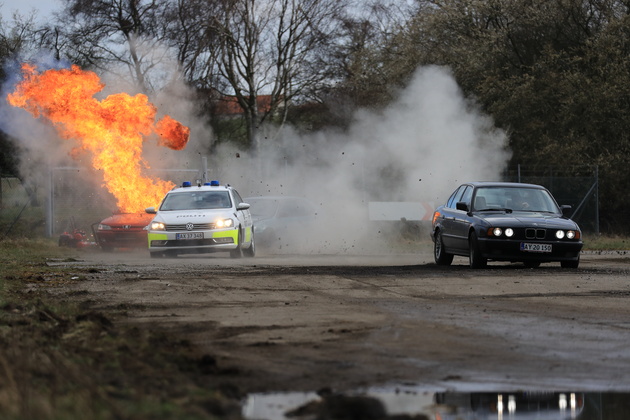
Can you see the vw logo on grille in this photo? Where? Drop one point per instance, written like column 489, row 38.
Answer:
column 189, row 226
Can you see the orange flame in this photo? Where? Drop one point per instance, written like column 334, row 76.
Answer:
column 112, row 130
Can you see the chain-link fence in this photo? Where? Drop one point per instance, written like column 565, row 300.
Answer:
column 20, row 209
column 68, row 198
column 575, row 186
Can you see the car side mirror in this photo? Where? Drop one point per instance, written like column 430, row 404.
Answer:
column 567, row 211
column 462, row 205
column 150, row 210
column 242, row 206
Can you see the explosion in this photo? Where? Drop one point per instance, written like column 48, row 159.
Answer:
column 112, row 130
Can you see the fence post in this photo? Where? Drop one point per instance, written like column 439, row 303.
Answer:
column 49, row 204
column 597, row 199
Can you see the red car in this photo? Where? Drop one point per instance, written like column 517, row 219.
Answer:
column 123, row 230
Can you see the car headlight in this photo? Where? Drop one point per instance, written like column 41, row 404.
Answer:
column 158, row 226
column 224, row 223
column 104, row 227
column 497, row 232
column 560, row 234
column 571, row 234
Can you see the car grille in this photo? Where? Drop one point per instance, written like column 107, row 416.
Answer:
column 195, row 226
column 127, row 228
column 531, row 233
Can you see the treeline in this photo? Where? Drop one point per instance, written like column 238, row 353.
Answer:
column 554, row 74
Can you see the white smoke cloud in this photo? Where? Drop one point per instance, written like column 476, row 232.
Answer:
column 419, row 149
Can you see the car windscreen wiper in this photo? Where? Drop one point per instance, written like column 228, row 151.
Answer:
column 497, row 209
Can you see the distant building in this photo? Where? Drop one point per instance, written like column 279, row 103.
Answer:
column 228, row 106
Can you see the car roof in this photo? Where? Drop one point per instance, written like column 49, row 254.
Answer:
column 477, row 184
column 275, row 197
column 201, row 188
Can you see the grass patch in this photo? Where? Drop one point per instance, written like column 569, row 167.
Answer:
column 606, row 243
column 61, row 361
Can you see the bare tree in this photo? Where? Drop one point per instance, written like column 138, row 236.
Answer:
column 108, row 33
column 273, row 48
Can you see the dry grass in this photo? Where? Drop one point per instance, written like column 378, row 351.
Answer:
column 61, row 361
column 606, row 242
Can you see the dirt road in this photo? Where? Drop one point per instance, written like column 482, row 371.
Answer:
column 302, row 323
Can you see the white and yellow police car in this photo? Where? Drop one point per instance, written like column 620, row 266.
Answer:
column 201, row 218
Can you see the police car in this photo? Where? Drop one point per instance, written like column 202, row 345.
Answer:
column 201, row 218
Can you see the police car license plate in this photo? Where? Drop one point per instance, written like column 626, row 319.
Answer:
column 192, row 235
column 535, row 247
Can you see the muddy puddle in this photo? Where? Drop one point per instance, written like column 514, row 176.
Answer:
column 411, row 403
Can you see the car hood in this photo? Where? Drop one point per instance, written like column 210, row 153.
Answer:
column 522, row 219
column 186, row 216
column 128, row 219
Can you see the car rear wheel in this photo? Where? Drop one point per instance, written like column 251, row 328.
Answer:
column 474, row 254
column 441, row 257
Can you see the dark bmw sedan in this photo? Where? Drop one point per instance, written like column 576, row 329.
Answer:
column 504, row 221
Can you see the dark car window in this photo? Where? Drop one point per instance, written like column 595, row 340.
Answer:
column 237, row 197
column 196, row 200
column 518, row 199
column 454, row 198
column 467, row 195
column 263, row 209
column 294, row 208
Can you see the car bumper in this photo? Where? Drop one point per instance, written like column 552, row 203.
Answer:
column 220, row 240
column 510, row 250
column 108, row 239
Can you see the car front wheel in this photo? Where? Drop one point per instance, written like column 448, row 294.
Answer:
column 237, row 252
column 474, row 255
column 441, row 257
column 570, row 264
column 251, row 251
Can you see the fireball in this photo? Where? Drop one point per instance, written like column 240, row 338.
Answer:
column 112, row 131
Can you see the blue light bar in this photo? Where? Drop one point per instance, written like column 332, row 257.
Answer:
column 215, row 183
column 186, row 184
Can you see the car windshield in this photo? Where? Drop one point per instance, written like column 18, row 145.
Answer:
column 515, row 199
column 262, row 209
column 190, row 200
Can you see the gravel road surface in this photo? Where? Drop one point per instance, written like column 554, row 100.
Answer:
column 304, row 323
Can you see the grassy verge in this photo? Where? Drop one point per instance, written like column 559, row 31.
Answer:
column 61, row 361
column 606, row 243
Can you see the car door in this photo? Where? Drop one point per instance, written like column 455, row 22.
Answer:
column 460, row 224
column 448, row 225
column 244, row 216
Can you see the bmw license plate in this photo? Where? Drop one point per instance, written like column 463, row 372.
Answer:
column 535, row 247
column 192, row 235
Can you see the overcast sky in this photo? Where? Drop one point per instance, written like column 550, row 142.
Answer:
column 44, row 8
